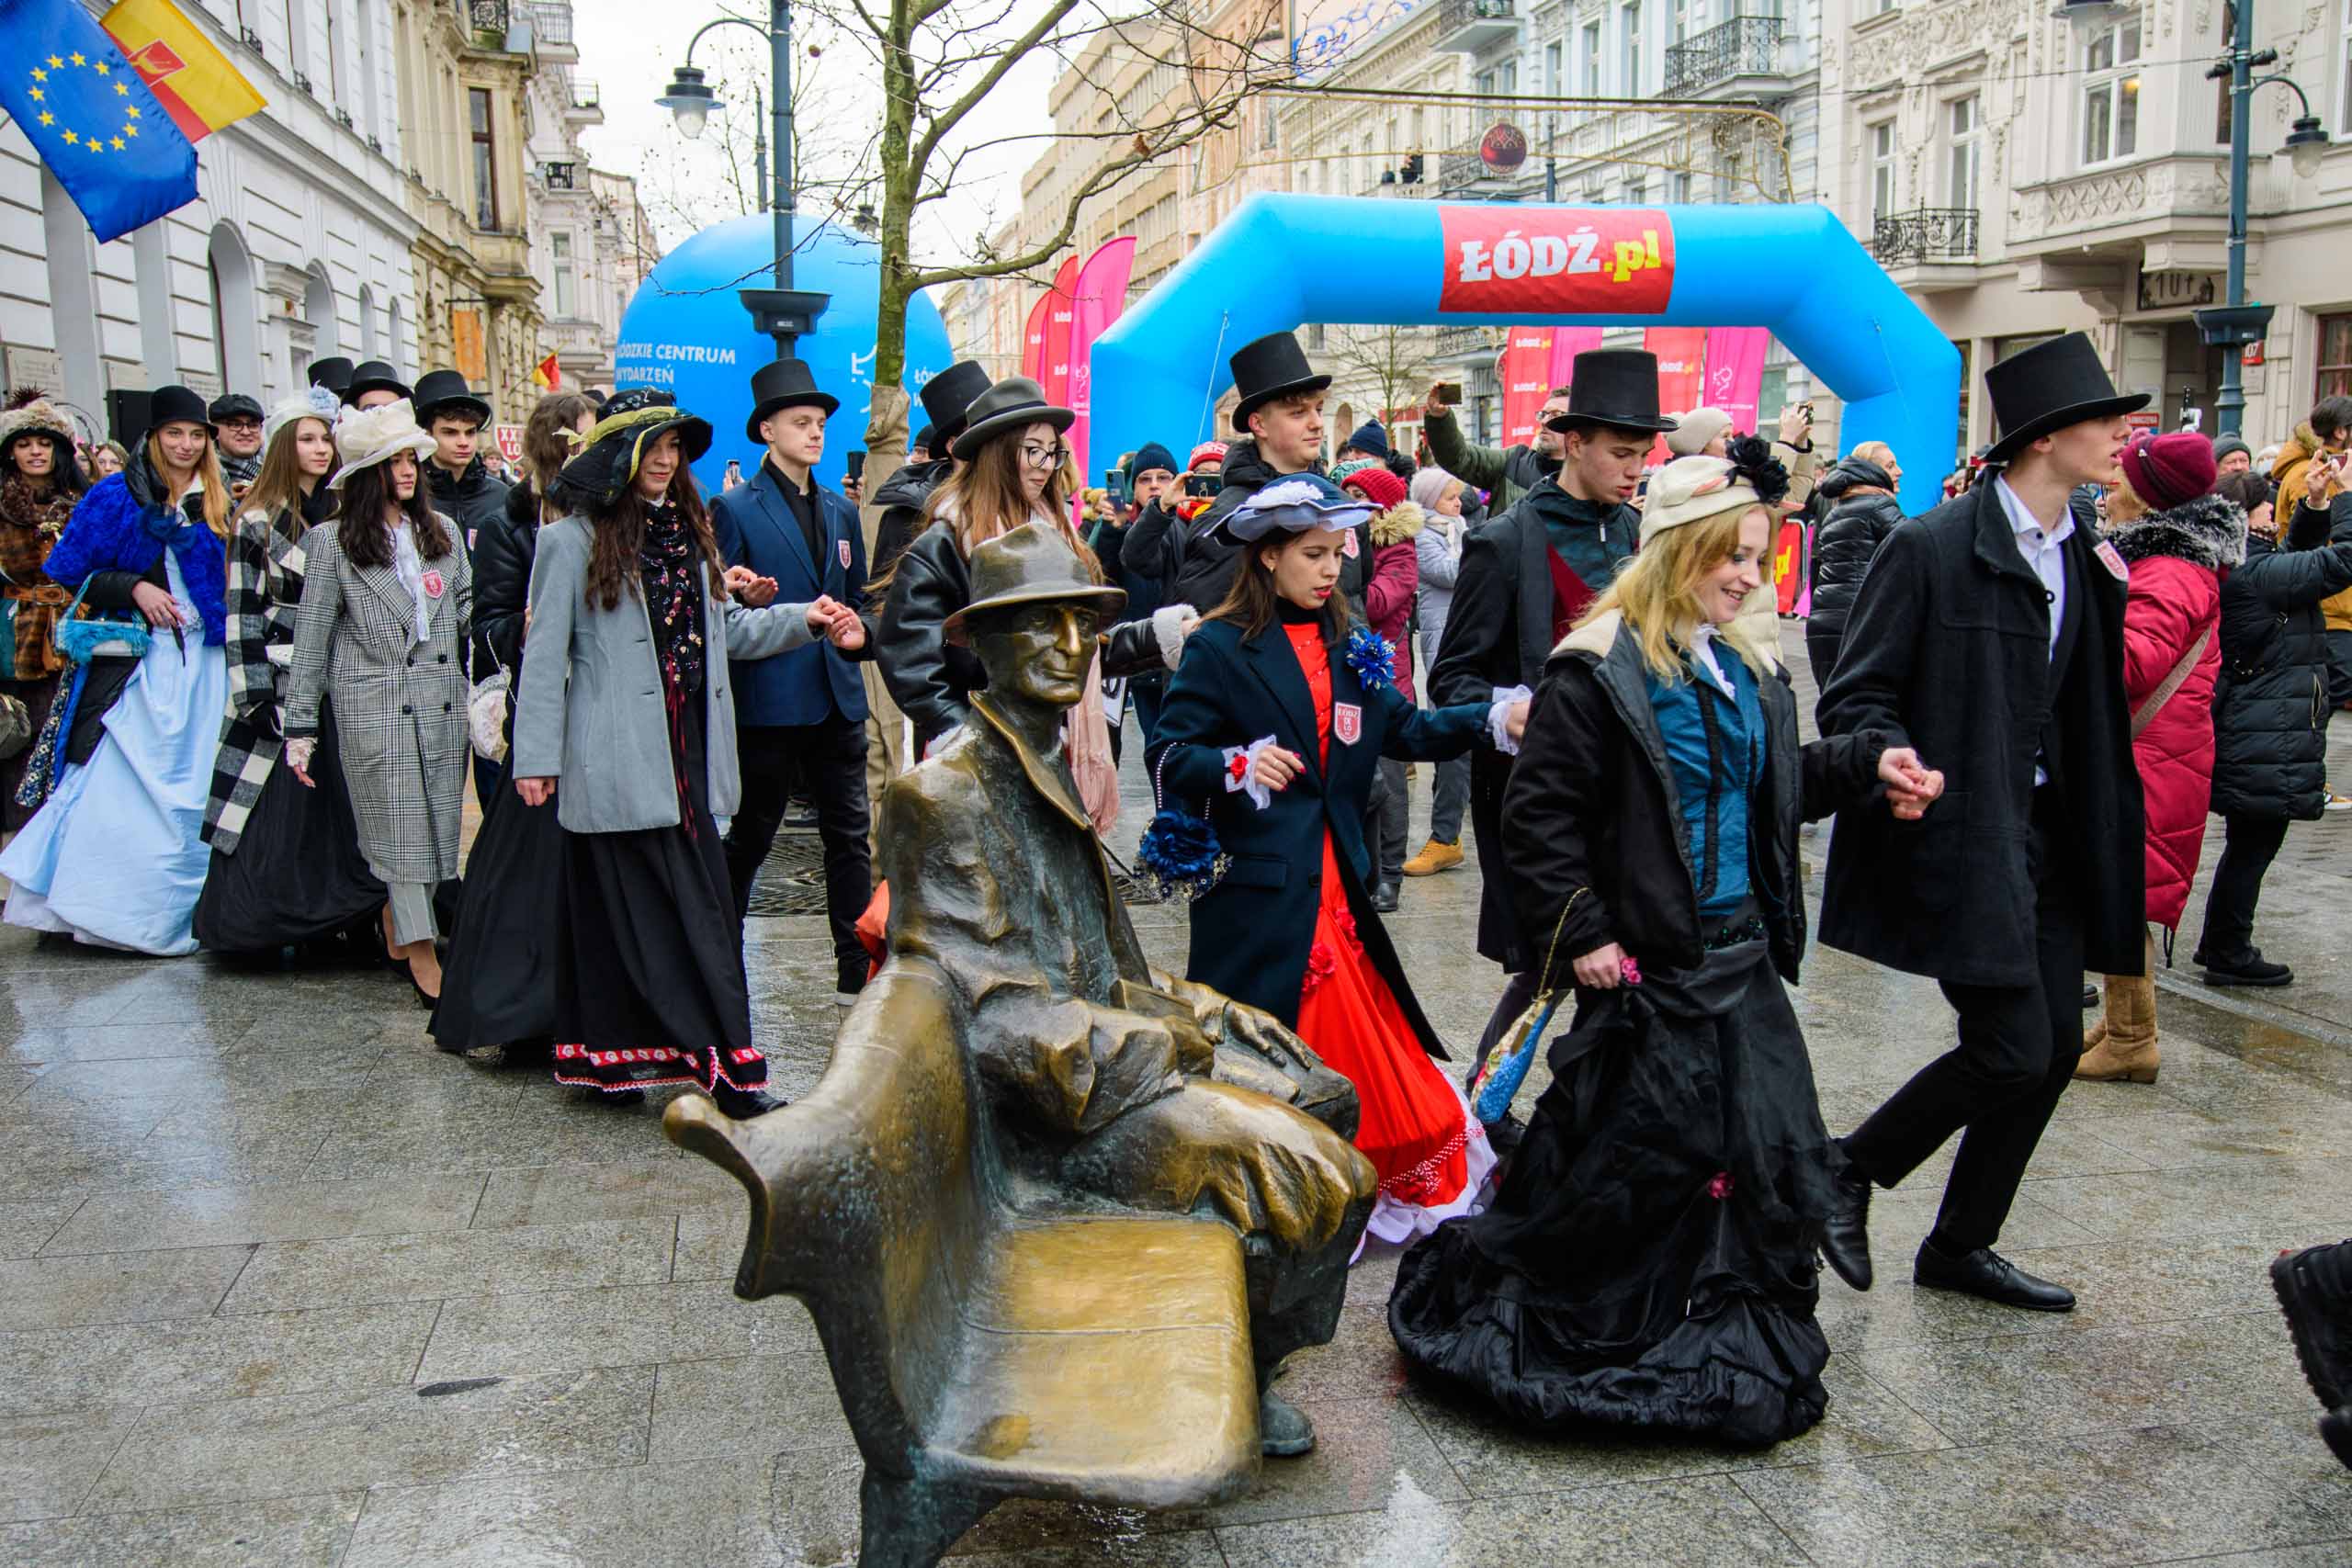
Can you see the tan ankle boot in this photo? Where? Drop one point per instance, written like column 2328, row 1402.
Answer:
column 1434, row 857
column 2123, row 1045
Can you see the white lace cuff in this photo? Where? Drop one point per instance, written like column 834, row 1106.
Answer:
column 298, row 752
column 1171, row 625
column 1498, row 718
column 1241, row 771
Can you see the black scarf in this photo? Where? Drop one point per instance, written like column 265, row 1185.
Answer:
column 671, row 568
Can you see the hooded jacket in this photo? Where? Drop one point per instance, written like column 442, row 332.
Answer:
column 1395, row 577
column 473, row 500
column 1842, row 548
column 2288, row 471
column 2178, row 561
column 2271, row 704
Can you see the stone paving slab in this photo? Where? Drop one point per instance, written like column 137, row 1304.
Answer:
column 279, row 1283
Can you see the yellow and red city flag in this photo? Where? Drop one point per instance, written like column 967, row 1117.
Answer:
column 194, row 81
column 547, row 372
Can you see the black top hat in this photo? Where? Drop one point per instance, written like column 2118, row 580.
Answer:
column 2047, row 387
column 1029, row 565
column 373, row 375
column 1614, row 386
column 439, row 391
column 785, row 384
column 234, row 405
column 1013, row 404
column 629, row 422
column 333, row 373
column 948, row 395
column 167, row 404
column 1269, row 367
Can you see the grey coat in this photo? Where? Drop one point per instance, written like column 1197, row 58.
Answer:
column 591, row 712
column 400, row 705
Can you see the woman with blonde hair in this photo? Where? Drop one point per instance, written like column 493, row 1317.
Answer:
column 1013, row 468
column 115, row 857
column 1650, row 1259
column 286, row 870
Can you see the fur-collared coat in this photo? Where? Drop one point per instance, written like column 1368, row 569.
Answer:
column 2177, row 559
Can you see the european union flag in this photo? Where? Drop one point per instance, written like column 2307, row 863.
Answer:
column 91, row 118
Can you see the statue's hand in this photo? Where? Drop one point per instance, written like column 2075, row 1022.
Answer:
column 1262, row 1034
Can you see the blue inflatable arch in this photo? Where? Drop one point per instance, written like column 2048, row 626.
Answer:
column 1280, row 261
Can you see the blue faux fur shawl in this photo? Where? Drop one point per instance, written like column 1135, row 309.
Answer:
column 108, row 532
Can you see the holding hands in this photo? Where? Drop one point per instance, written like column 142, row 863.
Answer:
column 1911, row 786
column 836, row 622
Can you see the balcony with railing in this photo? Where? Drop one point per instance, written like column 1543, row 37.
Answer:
column 1466, row 27
column 1466, row 174
column 551, row 21
column 1743, row 53
column 1925, row 234
column 1460, row 343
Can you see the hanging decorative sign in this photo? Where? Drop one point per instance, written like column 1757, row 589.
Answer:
column 1502, row 259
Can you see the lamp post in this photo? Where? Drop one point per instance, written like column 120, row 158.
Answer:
column 782, row 312
column 2234, row 323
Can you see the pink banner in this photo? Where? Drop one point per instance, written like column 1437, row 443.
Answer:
column 1060, row 309
column 1032, row 341
column 1525, row 371
column 1735, row 380
column 1678, row 351
column 1101, row 296
column 1566, row 343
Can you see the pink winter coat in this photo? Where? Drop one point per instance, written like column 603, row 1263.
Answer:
column 2177, row 559
column 1391, row 583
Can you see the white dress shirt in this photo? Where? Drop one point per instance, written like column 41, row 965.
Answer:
column 2045, row 556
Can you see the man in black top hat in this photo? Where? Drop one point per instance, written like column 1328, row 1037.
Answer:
column 236, row 439
column 1525, row 577
column 373, row 383
column 1989, row 637
column 334, row 373
column 1280, row 419
column 803, row 712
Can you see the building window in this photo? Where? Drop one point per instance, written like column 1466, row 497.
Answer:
column 1678, row 187
column 1967, row 123
column 1552, row 80
column 560, row 249
column 2342, row 70
column 2335, row 357
column 485, row 160
column 2111, row 92
column 1690, row 16
column 1629, row 18
column 1592, row 58
column 1637, row 192
column 1881, row 169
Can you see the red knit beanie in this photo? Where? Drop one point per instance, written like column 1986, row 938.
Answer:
column 1379, row 487
column 2170, row 470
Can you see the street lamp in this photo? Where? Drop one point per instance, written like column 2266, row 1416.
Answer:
column 2234, row 324
column 782, row 312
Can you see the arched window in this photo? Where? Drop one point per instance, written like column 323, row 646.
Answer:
column 396, row 344
column 368, row 348
column 234, row 317
column 318, row 308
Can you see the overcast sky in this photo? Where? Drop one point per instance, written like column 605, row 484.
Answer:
column 629, row 48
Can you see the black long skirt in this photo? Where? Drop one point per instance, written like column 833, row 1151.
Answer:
column 297, row 874
column 1649, row 1261
column 500, row 981
column 38, row 697
column 650, row 989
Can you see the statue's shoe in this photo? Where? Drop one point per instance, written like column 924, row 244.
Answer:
column 1284, row 1430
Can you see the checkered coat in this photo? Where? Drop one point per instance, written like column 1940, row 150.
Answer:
column 400, row 705
column 265, row 590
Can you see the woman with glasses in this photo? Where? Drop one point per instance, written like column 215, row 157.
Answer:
column 1013, row 468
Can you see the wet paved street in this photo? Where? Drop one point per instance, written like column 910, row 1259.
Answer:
column 279, row 1284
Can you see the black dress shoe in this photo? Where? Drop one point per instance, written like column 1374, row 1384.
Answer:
column 745, row 1103
column 2314, row 1291
column 2090, row 997
column 1383, row 899
column 1844, row 1240
column 1986, row 1273
column 2249, row 968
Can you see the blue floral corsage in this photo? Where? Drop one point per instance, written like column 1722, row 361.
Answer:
column 1180, row 855
column 1373, row 658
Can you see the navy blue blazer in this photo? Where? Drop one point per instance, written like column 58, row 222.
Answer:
column 1252, row 932
column 757, row 529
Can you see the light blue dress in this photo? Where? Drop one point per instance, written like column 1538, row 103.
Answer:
column 114, row 857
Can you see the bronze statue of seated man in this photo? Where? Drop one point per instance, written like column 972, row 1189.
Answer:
column 1104, row 1077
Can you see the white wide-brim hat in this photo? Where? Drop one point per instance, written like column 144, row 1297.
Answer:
column 318, row 403
column 364, row 437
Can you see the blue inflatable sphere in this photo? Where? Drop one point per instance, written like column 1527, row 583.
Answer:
column 686, row 332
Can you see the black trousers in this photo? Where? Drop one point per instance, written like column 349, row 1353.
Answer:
column 828, row 758
column 2017, row 1049
column 2252, row 845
